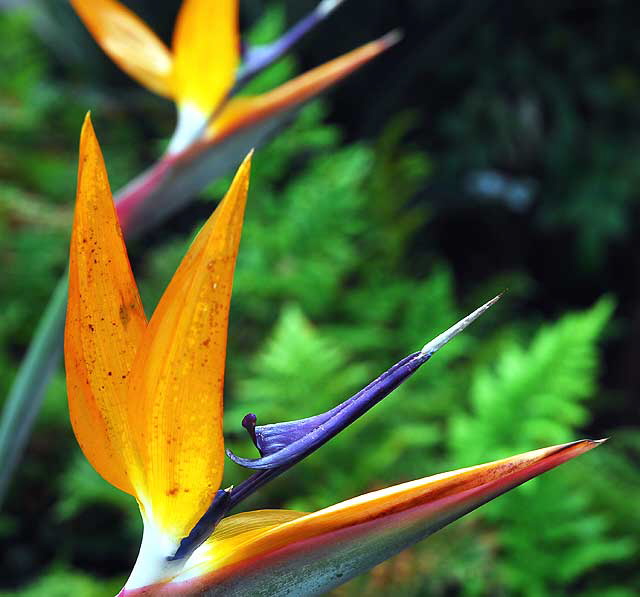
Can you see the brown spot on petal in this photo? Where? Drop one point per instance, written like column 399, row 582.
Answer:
column 124, row 315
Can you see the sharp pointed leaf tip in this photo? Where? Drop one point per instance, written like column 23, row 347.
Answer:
column 392, row 38
column 87, row 133
column 353, row 536
column 438, row 342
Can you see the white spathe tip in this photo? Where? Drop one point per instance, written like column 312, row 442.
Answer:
column 328, row 6
column 439, row 341
column 392, row 38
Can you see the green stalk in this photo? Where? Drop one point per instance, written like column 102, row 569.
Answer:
column 24, row 399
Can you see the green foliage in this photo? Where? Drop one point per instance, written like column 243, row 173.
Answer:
column 81, row 486
column 61, row 583
column 533, row 396
column 544, row 383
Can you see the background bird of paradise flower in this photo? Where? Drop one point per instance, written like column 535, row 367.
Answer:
column 495, row 147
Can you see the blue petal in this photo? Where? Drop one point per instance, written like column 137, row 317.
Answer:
column 281, row 443
column 256, row 58
column 204, row 527
column 284, row 444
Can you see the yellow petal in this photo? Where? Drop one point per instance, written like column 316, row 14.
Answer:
column 128, row 42
column 206, row 47
column 177, row 378
column 241, row 112
column 239, row 527
column 234, row 532
column 332, row 545
column 105, row 322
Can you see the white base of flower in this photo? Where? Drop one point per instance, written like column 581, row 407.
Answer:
column 192, row 123
column 152, row 565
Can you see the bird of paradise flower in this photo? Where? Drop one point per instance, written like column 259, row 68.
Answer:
column 207, row 64
column 145, row 400
column 202, row 73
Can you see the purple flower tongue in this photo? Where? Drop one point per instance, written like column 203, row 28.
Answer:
column 204, row 527
column 284, row 444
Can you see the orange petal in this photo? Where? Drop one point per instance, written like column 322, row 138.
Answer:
column 333, row 545
column 128, row 42
column 177, row 378
column 105, row 322
column 241, row 112
column 206, row 46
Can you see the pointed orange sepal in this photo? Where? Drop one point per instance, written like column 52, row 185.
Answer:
column 105, row 322
column 129, row 42
column 241, row 112
column 175, row 393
